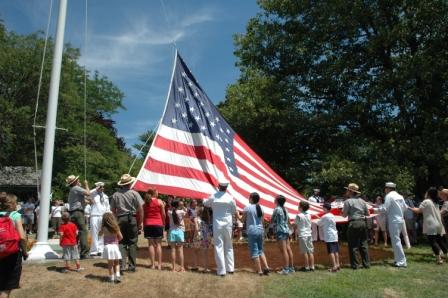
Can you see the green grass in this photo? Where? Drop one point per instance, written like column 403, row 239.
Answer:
column 422, row 278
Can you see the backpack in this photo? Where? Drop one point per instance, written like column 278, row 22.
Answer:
column 9, row 238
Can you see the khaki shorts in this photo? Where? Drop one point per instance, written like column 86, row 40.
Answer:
column 306, row 245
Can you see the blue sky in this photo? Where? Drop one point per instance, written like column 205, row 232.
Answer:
column 131, row 43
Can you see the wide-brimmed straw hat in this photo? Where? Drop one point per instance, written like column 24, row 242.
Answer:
column 353, row 187
column 71, row 179
column 125, row 180
column 99, row 184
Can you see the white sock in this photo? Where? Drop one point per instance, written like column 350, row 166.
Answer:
column 117, row 274
column 112, row 277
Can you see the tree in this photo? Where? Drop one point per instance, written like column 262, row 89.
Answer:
column 368, row 76
column 106, row 155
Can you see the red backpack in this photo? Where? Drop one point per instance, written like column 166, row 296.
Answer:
column 9, row 238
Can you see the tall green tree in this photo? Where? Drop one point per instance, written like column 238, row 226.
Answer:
column 366, row 81
column 106, row 155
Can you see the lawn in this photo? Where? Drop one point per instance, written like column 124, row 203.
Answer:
column 422, row 278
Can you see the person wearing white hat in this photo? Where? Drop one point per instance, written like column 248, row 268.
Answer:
column 394, row 206
column 99, row 205
column 77, row 201
column 224, row 208
column 127, row 205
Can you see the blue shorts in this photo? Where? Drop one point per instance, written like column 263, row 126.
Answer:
column 176, row 236
column 255, row 245
column 281, row 236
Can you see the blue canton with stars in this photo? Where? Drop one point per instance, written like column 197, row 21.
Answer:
column 189, row 109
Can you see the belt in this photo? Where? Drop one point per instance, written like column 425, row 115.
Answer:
column 127, row 214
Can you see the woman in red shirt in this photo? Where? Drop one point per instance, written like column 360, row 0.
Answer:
column 154, row 222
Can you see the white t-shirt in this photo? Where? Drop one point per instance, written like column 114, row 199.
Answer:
column 303, row 222
column 28, row 208
column 223, row 207
column 328, row 224
column 56, row 211
column 180, row 215
column 100, row 203
column 87, row 211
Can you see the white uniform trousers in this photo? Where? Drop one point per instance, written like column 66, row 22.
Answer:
column 223, row 250
column 97, row 245
column 394, row 232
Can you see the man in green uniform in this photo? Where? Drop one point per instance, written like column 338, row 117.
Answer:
column 357, row 211
column 77, row 200
column 127, row 204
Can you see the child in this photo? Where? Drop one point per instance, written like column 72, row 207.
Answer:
column 303, row 225
column 176, row 234
column 281, row 219
column 68, row 232
column 205, row 233
column 328, row 223
column 112, row 235
column 380, row 222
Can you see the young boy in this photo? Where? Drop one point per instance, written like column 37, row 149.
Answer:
column 328, row 223
column 303, row 225
column 68, row 232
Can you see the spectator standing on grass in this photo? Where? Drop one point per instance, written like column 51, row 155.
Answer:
column 380, row 221
column 206, row 233
column 28, row 215
column 77, row 200
column 280, row 218
column 67, row 241
column 357, row 211
column 253, row 216
column 328, row 224
column 176, row 236
column 410, row 219
column 444, row 211
column 99, row 206
column 56, row 215
column 153, row 225
column 303, row 226
column 224, row 208
column 432, row 223
column 394, row 207
column 126, row 204
column 11, row 263
column 111, row 232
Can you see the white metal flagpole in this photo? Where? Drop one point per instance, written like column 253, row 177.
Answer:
column 42, row 250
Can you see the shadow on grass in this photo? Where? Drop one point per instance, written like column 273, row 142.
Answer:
column 100, row 265
column 56, row 269
column 100, row 278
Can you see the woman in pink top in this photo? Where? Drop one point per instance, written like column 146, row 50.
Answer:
column 154, row 222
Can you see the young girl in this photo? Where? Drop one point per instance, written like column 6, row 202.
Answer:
column 380, row 222
column 206, row 233
column 176, row 234
column 112, row 235
column 253, row 216
column 328, row 223
column 281, row 220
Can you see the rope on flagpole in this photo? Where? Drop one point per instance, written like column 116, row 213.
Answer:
column 85, row 94
column 39, row 85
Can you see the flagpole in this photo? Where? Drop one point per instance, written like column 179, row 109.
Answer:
column 41, row 249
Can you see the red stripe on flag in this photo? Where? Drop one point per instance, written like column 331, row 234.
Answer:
column 170, row 190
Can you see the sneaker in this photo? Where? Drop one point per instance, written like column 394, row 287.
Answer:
column 312, row 269
column 266, row 271
column 117, row 279
column 291, row 269
column 304, row 269
column 111, row 280
column 65, row 270
column 79, row 269
column 284, row 271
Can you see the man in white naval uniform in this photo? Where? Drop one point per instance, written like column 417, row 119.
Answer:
column 224, row 208
column 394, row 206
column 99, row 205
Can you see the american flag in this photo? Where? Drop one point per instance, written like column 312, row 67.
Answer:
column 195, row 147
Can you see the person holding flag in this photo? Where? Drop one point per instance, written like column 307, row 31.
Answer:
column 224, row 208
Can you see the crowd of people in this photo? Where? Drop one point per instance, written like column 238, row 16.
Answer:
column 115, row 223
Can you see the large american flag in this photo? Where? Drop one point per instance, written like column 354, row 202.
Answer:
column 195, row 147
